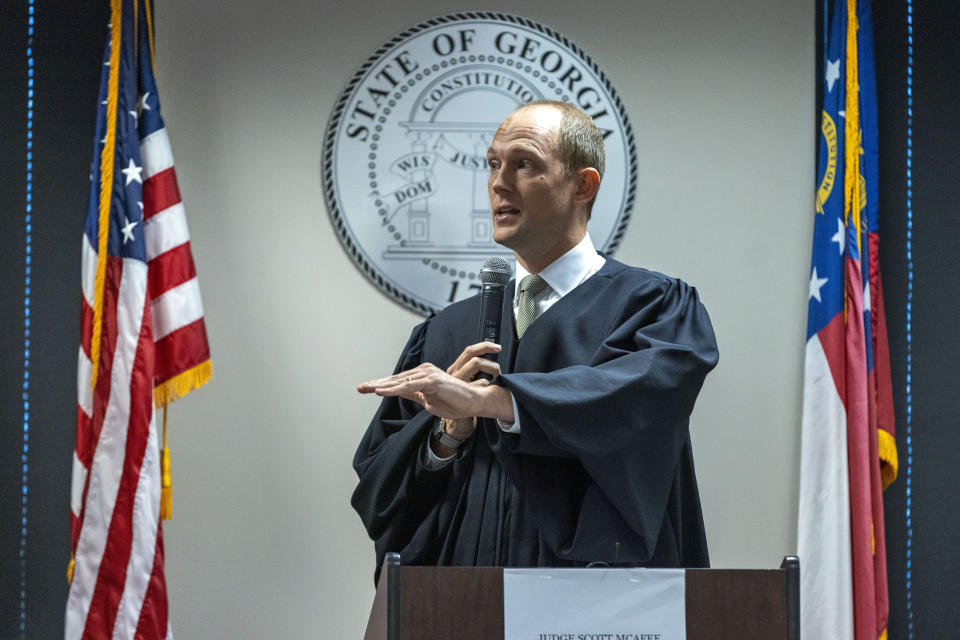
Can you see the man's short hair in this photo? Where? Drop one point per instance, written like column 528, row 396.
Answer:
column 579, row 141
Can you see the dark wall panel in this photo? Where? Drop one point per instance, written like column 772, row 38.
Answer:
column 921, row 508
column 67, row 44
column 13, row 168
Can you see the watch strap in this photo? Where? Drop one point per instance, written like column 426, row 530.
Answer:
column 444, row 438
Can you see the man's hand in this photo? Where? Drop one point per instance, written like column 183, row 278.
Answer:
column 452, row 394
column 439, row 392
column 471, row 362
column 466, row 367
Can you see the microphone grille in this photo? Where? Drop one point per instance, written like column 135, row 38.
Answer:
column 495, row 270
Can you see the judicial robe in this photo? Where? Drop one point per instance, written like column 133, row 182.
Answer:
column 602, row 470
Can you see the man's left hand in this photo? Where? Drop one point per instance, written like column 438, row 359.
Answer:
column 443, row 394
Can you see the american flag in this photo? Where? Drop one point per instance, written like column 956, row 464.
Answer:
column 848, row 452
column 143, row 345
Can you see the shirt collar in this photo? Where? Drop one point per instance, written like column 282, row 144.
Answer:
column 567, row 271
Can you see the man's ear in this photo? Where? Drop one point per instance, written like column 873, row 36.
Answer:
column 588, row 183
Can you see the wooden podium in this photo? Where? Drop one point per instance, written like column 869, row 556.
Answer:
column 739, row 604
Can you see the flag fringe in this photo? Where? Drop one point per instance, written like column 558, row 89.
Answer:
column 182, row 384
column 106, row 187
column 147, row 12
column 851, row 160
column 888, row 457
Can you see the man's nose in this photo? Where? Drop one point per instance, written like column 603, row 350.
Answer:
column 501, row 181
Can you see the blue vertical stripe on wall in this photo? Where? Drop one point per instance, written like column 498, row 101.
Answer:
column 909, row 246
column 28, row 229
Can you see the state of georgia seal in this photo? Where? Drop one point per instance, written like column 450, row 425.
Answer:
column 404, row 158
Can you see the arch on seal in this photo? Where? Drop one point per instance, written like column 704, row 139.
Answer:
column 452, row 92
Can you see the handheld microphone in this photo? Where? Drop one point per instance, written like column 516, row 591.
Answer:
column 494, row 275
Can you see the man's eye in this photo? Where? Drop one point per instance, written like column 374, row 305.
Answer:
column 492, row 164
column 524, row 164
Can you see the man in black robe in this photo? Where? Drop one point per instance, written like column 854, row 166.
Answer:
column 579, row 450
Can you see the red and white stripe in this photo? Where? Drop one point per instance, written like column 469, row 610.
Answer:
column 823, row 543
column 839, row 469
column 177, row 309
column 116, row 513
column 150, row 312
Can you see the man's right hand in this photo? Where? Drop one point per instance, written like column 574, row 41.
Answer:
column 452, row 393
column 471, row 362
column 466, row 367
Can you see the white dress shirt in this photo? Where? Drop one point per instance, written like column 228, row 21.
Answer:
column 562, row 276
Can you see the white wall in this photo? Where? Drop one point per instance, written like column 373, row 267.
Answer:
column 264, row 543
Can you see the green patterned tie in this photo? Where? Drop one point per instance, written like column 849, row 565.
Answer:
column 530, row 286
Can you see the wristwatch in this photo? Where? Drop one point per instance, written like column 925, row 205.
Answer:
column 444, row 438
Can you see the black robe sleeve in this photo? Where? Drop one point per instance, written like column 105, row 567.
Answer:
column 398, row 497
column 604, row 445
